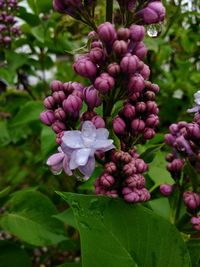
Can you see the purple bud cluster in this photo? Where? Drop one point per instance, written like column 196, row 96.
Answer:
column 63, row 106
column 184, row 139
column 8, row 30
column 122, row 177
column 114, row 65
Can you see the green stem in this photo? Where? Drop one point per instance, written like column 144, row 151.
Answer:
column 109, row 10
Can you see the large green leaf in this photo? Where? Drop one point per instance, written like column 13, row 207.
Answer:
column 116, row 234
column 28, row 113
column 30, row 219
column 12, row 255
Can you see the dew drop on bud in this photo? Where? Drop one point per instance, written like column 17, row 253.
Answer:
column 154, row 30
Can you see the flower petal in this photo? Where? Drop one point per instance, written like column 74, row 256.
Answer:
column 88, row 169
column 72, row 164
column 66, row 166
column 102, row 144
column 102, row 133
column 197, row 98
column 194, row 109
column 73, row 139
column 55, row 159
column 82, row 156
column 88, row 132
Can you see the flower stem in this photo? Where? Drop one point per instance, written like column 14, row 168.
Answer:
column 109, row 10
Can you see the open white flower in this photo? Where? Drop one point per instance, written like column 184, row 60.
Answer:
column 197, row 102
column 83, row 145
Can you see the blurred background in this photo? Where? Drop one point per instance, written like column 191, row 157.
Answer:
column 42, row 49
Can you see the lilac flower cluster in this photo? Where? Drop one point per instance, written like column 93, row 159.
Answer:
column 184, row 139
column 8, row 30
column 122, row 177
column 116, row 69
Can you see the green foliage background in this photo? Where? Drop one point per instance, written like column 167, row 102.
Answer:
column 31, row 211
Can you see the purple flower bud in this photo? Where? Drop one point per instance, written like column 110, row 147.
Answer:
column 95, row 44
column 47, row 117
column 49, row 102
column 129, row 64
column 149, row 95
column 153, row 13
column 170, row 139
column 197, row 118
column 107, row 180
column 152, row 121
column 119, row 125
column 120, row 47
column 72, row 104
column 110, row 167
column 152, row 107
column 137, row 125
column 123, row 34
column 56, row 86
column 129, row 169
column 128, row 111
column 148, row 133
column 145, row 72
column 7, row 40
column 97, row 55
column 140, row 107
column 107, row 33
column 155, row 88
column 134, row 96
column 85, row 68
column 59, row 96
column 129, row 195
column 58, row 126
column 113, row 69
column 166, row 189
column 98, row 122
column 60, row 114
column 69, row 87
column 88, row 115
column 183, row 145
column 140, row 165
column 104, row 83
column 175, row 166
column 91, row 97
column 194, row 130
column 136, row 83
column 191, row 200
column 59, row 137
column 140, row 50
column 195, row 221
column 136, row 180
column 173, row 128
column 137, row 33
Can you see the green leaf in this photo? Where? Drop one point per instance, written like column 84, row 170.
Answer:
column 30, row 219
column 149, row 154
column 125, row 235
column 12, row 255
column 28, row 113
column 194, row 249
column 192, row 173
column 5, row 191
column 39, row 33
column 157, row 170
column 67, row 216
column 47, row 141
column 4, row 134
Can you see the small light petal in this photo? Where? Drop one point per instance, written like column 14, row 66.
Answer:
column 55, row 159
column 194, row 109
column 102, row 133
column 88, row 132
column 102, row 144
column 197, row 98
column 66, row 166
column 88, row 169
column 73, row 139
column 72, row 164
column 82, row 156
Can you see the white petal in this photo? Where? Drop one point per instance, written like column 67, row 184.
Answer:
column 66, row 166
column 194, row 109
column 88, row 169
column 102, row 144
column 88, row 132
column 102, row 133
column 197, row 98
column 82, row 156
column 73, row 139
column 72, row 164
column 55, row 159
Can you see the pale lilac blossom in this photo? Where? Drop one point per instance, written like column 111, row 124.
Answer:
column 197, row 102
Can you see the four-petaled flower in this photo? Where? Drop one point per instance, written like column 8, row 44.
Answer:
column 197, row 102
column 78, row 149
